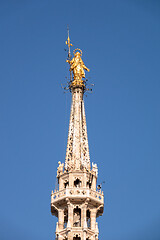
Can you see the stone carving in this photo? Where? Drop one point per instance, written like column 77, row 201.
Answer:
column 95, row 168
column 77, row 217
column 77, row 145
column 60, row 168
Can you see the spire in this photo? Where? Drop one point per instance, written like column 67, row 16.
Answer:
column 77, row 201
column 77, row 153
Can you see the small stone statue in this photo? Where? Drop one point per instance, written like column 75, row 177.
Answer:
column 76, row 220
column 95, row 168
column 60, row 168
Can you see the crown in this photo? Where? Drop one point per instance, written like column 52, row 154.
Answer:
column 77, row 50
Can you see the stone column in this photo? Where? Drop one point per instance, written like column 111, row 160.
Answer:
column 84, row 180
column 60, row 219
column 70, row 221
column 60, row 237
column 96, row 231
column 94, row 182
column 70, row 216
column 83, row 218
column 93, row 219
column 84, row 222
column 70, row 237
column 70, row 180
column 93, row 237
column 60, row 183
column 84, row 235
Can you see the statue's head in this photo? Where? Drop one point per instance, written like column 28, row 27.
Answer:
column 77, row 52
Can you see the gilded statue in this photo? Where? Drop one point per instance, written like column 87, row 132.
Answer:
column 77, row 65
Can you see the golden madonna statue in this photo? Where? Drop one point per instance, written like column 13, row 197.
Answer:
column 77, row 65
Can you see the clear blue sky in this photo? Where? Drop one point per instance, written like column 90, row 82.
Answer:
column 121, row 46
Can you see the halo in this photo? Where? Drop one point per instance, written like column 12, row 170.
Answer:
column 77, row 49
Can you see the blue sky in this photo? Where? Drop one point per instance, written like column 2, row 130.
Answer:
column 120, row 44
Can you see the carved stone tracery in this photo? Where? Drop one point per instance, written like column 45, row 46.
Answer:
column 77, row 153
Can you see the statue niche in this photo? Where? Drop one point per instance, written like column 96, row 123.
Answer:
column 77, row 217
column 76, row 238
column 77, row 183
column 66, row 184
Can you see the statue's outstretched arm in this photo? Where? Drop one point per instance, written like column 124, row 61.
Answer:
column 87, row 69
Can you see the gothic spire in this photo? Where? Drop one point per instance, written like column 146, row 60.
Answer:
column 77, row 153
column 77, row 201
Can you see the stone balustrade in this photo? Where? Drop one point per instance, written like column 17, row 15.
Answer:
column 77, row 193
